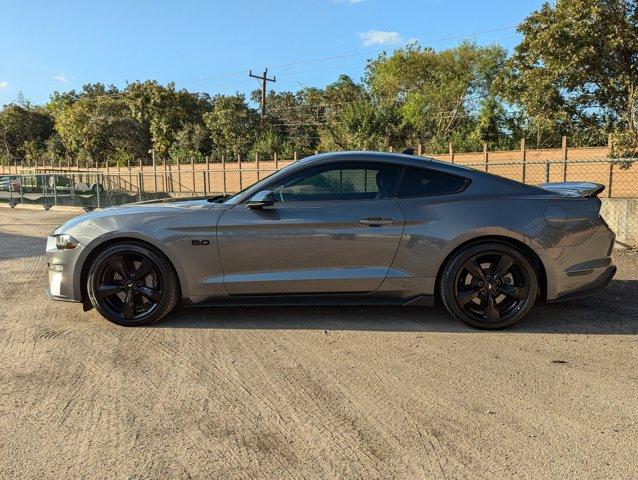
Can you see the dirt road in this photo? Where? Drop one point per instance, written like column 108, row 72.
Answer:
column 345, row 392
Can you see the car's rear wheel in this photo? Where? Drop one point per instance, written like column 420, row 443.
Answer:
column 489, row 285
column 131, row 284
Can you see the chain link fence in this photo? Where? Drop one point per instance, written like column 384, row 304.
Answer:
column 93, row 189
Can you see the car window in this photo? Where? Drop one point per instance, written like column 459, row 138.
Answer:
column 340, row 182
column 417, row 182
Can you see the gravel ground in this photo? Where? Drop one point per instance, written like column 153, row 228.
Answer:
column 333, row 392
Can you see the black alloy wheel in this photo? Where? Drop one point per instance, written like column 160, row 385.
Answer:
column 489, row 286
column 130, row 284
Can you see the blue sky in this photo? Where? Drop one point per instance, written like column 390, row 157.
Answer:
column 210, row 46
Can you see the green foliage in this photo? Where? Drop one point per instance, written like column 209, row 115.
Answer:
column 100, row 128
column 232, row 124
column 435, row 91
column 574, row 73
column 23, row 131
column 577, row 64
column 192, row 141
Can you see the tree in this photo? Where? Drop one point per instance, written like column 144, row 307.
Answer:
column 435, row 91
column 23, row 131
column 192, row 141
column 577, row 65
column 101, row 128
column 164, row 111
column 232, row 124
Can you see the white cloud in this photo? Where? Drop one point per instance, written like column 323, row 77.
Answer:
column 380, row 37
column 351, row 2
column 3, row 85
column 61, row 77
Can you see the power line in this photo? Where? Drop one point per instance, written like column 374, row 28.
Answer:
column 355, row 54
column 264, row 79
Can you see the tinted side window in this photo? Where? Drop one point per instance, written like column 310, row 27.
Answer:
column 340, row 182
column 417, row 182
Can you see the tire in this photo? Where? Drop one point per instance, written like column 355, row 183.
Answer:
column 489, row 285
column 132, row 284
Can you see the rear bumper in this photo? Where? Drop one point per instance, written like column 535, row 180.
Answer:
column 591, row 288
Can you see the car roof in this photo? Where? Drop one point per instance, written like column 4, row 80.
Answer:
column 390, row 157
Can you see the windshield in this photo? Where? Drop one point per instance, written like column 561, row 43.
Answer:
column 256, row 186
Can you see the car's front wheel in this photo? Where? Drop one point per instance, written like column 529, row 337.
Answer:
column 131, row 284
column 489, row 285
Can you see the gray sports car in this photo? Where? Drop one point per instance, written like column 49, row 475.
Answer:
column 343, row 228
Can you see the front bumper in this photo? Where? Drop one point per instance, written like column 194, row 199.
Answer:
column 64, row 272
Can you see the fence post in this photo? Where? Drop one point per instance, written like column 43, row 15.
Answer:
column 21, row 189
column 523, row 158
column 239, row 168
column 419, row 149
column 98, row 188
column 207, row 177
column 224, row 172
column 193, row 174
column 564, row 153
column 276, row 161
column 485, row 155
column 205, row 185
column 55, row 189
column 294, row 156
column 140, row 184
column 257, row 166
column 611, row 178
column 547, row 167
column 450, row 150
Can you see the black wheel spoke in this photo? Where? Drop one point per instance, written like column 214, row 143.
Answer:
column 503, row 265
column 475, row 269
column 107, row 290
column 466, row 296
column 149, row 293
column 129, row 285
column 144, row 269
column 117, row 265
column 491, row 309
column 128, row 306
column 519, row 293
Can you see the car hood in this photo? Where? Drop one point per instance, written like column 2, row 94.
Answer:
column 134, row 216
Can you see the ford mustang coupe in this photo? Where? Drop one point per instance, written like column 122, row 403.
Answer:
column 343, row 228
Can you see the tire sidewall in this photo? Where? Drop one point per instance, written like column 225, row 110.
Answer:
column 450, row 273
column 165, row 305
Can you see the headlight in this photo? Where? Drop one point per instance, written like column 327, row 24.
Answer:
column 65, row 242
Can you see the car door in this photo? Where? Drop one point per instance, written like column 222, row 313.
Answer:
column 333, row 229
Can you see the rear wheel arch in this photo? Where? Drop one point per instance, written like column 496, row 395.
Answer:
column 525, row 249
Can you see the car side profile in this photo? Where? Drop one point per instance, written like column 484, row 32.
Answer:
column 343, row 228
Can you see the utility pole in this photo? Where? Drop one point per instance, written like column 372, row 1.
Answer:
column 264, row 79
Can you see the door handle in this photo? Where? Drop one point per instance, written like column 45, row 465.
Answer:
column 376, row 221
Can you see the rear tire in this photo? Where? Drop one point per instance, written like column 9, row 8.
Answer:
column 489, row 285
column 131, row 284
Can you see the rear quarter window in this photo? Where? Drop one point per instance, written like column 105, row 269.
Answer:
column 417, row 182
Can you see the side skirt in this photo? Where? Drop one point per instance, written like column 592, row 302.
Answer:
column 315, row 299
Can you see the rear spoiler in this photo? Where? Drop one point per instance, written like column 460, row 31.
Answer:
column 574, row 189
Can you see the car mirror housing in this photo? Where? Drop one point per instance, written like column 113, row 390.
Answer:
column 262, row 199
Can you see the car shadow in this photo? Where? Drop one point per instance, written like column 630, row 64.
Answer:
column 612, row 311
column 14, row 246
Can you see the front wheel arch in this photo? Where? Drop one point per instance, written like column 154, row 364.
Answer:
column 108, row 243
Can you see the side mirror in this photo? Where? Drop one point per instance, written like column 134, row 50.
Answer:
column 261, row 199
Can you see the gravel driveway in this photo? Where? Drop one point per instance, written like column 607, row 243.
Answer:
column 305, row 392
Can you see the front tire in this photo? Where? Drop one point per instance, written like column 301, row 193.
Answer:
column 131, row 284
column 489, row 285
